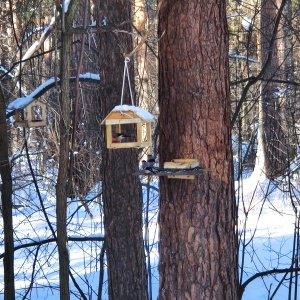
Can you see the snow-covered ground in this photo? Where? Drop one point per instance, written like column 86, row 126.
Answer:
column 266, row 225
column 266, row 229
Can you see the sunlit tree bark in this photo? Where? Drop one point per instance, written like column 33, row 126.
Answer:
column 197, row 217
column 140, row 24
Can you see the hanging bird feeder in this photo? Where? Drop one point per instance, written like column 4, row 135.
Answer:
column 134, row 121
column 32, row 114
column 128, row 126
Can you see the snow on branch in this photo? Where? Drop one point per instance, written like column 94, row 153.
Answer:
column 236, row 56
column 22, row 102
column 65, row 5
column 6, row 72
column 36, row 45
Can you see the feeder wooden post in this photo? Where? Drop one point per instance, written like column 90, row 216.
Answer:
column 139, row 133
column 108, row 136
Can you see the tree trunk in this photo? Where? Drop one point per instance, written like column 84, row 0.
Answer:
column 197, row 249
column 271, row 138
column 6, row 193
column 141, row 55
column 121, row 190
column 61, row 186
column 291, row 98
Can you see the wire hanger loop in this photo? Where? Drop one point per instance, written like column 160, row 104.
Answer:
column 126, row 74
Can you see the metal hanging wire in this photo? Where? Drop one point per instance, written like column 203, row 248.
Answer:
column 126, row 74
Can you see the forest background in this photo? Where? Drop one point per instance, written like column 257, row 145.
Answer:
column 67, row 159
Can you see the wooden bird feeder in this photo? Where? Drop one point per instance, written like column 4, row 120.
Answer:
column 182, row 164
column 32, row 115
column 134, row 121
column 177, row 168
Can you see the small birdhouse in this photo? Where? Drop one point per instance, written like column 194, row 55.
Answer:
column 32, row 115
column 128, row 126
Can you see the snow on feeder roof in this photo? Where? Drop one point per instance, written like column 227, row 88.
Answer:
column 140, row 112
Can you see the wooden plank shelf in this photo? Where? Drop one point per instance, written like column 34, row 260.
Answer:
column 173, row 173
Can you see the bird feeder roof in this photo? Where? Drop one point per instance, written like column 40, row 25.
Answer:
column 21, row 103
column 139, row 112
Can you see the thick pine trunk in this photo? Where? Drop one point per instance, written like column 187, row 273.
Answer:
column 197, row 217
column 121, row 190
column 6, row 193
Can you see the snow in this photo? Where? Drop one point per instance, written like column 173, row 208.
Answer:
column 89, row 75
column 246, row 23
column 237, row 56
column 142, row 113
column 93, row 24
column 30, row 226
column 266, row 226
column 268, row 220
column 22, row 102
column 66, row 5
column 280, row 92
column 5, row 71
column 52, row 21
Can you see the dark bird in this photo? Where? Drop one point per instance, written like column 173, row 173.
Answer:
column 118, row 137
column 147, row 166
column 151, row 159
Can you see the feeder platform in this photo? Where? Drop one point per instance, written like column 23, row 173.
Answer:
column 173, row 173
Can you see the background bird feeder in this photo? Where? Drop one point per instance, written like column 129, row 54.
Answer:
column 132, row 120
column 31, row 115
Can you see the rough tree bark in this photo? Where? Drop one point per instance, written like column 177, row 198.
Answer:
column 121, row 190
column 197, row 217
column 6, row 193
column 61, row 185
column 272, row 144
